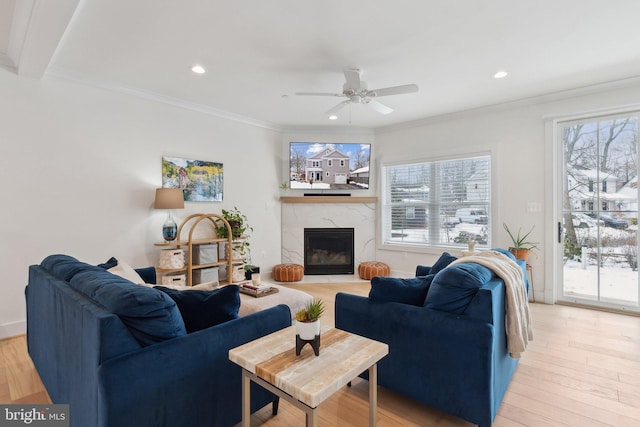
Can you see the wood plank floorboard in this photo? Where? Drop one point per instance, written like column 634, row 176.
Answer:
column 581, row 369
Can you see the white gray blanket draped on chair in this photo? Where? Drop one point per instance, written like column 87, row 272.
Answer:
column 517, row 317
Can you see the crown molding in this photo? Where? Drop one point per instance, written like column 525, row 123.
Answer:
column 550, row 97
column 64, row 74
column 331, row 130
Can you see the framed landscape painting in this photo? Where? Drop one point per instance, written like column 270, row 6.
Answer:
column 200, row 180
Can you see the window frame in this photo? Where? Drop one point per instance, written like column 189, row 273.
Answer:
column 431, row 247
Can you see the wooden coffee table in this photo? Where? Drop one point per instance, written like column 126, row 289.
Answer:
column 307, row 380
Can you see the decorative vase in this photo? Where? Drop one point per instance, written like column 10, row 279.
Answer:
column 308, row 330
column 169, row 228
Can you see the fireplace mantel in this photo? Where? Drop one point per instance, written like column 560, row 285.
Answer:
column 328, row 199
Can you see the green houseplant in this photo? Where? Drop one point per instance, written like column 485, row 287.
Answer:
column 240, row 229
column 308, row 319
column 238, row 222
column 521, row 247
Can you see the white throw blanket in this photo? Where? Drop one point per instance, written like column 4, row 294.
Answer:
column 517, row 317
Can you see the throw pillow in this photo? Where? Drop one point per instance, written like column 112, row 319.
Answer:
column 126, row 272
column 111, row 262
column 407, row 291
column 445, row 259
column 203, row 309
column 453, row 288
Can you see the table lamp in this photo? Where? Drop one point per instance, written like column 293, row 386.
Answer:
column 169, row 198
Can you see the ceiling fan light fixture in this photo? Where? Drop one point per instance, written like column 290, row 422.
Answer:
column 356, row 92
column 500, row 74
column 198, row 69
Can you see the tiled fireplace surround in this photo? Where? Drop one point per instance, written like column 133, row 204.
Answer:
column 298, row 216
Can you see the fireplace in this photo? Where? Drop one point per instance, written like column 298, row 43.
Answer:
column 328, row 251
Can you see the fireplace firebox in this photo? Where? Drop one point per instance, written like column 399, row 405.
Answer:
column 328, row 251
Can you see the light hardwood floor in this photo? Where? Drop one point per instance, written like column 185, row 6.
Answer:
column 582, row 369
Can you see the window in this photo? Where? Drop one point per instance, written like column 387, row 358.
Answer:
column 437, row 203
column 330, row 163
column 342, row 163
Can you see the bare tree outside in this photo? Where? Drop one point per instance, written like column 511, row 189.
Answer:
column 600, row 209
column 298, row 161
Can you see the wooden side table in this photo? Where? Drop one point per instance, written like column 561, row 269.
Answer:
column 271, row 362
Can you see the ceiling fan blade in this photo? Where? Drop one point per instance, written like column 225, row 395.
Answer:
column 318, row 94
column 380, row 108
column 396, row 90
column 353, row 79
column 337, row 107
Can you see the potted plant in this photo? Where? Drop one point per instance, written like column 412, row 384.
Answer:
column 240, row 233
column 522, row 247
column 308, row 319
column 238, row 222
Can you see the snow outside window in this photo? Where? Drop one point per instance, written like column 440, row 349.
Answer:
column 437, row 203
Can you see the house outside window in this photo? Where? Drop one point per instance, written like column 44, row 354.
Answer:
column 437, row 203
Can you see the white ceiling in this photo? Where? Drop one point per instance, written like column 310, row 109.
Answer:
column 260, row 53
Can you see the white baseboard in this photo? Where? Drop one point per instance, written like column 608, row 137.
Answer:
column 8, row 330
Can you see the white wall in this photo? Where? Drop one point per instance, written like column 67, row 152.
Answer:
column 79, row 167
column 515, row 135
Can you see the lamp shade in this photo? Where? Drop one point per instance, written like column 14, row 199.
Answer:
column 169, row 198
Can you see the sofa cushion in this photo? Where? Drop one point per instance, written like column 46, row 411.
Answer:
column 454, row 287
column 407, row 291
column 150, row 316
column 445, row 259
column 64, row 267
column 201, row 309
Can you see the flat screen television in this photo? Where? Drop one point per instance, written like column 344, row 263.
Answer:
column 329, row 166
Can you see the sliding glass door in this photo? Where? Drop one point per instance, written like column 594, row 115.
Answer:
column 599, row 218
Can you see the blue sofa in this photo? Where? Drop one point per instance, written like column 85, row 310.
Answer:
column 446, row 335
column 119, row 353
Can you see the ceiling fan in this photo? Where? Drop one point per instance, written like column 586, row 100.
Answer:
column 356, row 92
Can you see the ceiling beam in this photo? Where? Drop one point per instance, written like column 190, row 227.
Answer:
column 36, row 31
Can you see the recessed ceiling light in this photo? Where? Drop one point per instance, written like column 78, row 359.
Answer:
column 500, row 74
column 333, row 117
column 198, row 69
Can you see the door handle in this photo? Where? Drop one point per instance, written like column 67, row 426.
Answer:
column 559, row 232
